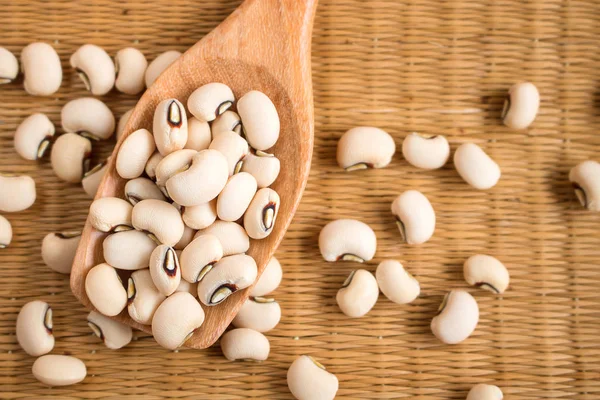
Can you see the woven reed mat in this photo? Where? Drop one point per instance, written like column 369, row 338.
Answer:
column 437, row 67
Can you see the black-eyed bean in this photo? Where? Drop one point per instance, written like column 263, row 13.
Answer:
column 165, row 270
column 426, row 152
column 226, row 277
column 34, row 328
column 202, row 181
column 234, row 199
column 365, row 147
column 308, row 379
column 228, row 121
column 58, row 250
column 95, row 68
column 586, row 182
column 159, row 64
column 347, row 240
column 33, row 136
column 160, row 219
column 110, row 214
column 134, row 153
column 521, row 105
column 176, row 319
column 128, row 250
column 457, row 317
column 9, row 66
column 185, row 286
column 245, row 344
column 396, row 283
column 186, row 238
column 476, row 167
column 200, row 256
column 200, row 216
column 17, row 193
column 88, row 117
column 58, row 370
column 172, row 164
column 170, row 126
column 415, row 217
column 232, row 236
column 122, row 122
column 114, row 334
column 486, row 272
column 264, row 167
column 105, row 290
column 139, row 189
column 41, row 69
column 199, row 135
column 358, row 294
column 143, row 298
column 233, row 147
column 485, row 392
column 209, row 101
column 269, row 280
column 260, row 120
column 70, row 157
column 130, row 67
column 5, row 232
column 151, row 165
column 261, row 214
column 92, row 178
column 258, row 313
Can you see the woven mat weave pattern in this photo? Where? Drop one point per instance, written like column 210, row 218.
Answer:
column 432, row 66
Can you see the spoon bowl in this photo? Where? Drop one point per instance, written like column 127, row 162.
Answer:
column 263, row 45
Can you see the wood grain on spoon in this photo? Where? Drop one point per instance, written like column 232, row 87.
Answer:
column 264, row 45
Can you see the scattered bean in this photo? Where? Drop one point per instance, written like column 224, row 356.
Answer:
column 58, row 250
column 165, row 270
column 42, row 70
column 95, row 68
column 476, row 167
column 261, row 214
column 170, row 126
column 105, row 290
column 202, row 182
column 209, row 101
column 143, row 298
column 264, row 167
column 176, row 319
column 186, row 238
column 586, row 181
column 245, row 344
column 415, row 217
column 128, row 250
column 88, row 117
column 172, row 164
column 185, row 286
column 57, row 370
column 485, row 392
column 457, row 317
column 260, row 121
column 200, row 216
column 70, row 157
column 233, row 147
column 347, row 240
column 269, row 280
column 228, row 121
column 160, row 63
column 258, row 313
column 9, row 66
column 134, row 153
column 486, row 272
column 307, row 379
column 139, row 189
column 17, row 193
column 130, row 66
column 160, row 219
column 234, row 199
column 521, row 105
column 110, row 214
column 5, row 232
column 199, row 136
column 122, row 122
column 426, row 152
column 358, row 294
column 115, row 335
column 33, row 135
column 92, row 178
column 200, row 256
column 152, row 163
column 34, row 328
column 227, row 276
column 396, row 283
column 365, row 147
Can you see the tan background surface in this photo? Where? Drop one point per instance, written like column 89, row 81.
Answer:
column 437, row 67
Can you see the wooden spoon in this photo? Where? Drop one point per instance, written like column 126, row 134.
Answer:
column 263, row 45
